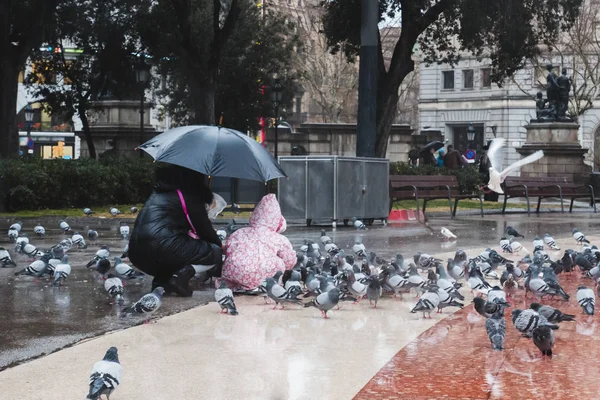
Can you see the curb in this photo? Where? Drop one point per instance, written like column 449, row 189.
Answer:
column 405, row 215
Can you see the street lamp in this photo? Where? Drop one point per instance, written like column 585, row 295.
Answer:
column 470, row 133
column 29, row 121
column 142, row 77
column 276, row 94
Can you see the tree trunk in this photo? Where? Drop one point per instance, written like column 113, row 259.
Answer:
column 86, row 132
column 9, row 87
column 203, row 99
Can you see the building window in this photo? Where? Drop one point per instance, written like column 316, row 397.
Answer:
column 298, row 105
column 468, row 79
column 486, row 77
column 448, row 77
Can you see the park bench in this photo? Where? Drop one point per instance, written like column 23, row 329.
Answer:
column 429, row 187
column 545, row 187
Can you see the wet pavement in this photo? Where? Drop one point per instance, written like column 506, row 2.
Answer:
column 38, row 318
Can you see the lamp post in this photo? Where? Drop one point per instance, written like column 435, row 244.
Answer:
column 470, row 133
column 276, row 95
column 29, row 122
column 142, row 76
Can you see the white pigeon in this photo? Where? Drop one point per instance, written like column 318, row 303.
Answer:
column 64, row 226
column 124, row 230
column 447, row 234
column 114, row 287
column 106, row 375
column 222, row 234
column 62, row 271
column 40, row 231
column 495, row 155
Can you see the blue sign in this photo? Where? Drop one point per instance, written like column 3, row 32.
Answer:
column 30, row 143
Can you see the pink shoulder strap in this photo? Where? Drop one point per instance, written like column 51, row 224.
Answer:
column 185, row 211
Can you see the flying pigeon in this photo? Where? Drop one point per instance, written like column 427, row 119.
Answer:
column 146, row 306
column 325, row 301
column 358, row 224
column 62, row 271
column 279, row 295
column 114, row 211
column 92, row 235
column 496, row 330
column 79, row 241
column 124, row 230
column 64, row 226
column 133, row 210
column 586, row 299
column 543, row 338
column 495, row 156
column 224, row 296
column 428, row 302
column 106, row 375
column 579, row 237
column 88, row 211
column 114, row 287
column 125, row 271
column 39, row 230
column 527, row 320
column 549, row 240
column 552, row 314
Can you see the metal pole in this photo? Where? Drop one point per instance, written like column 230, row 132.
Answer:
column 276, row 130
column 367, row 80
column 142, row 122
column 29, row 123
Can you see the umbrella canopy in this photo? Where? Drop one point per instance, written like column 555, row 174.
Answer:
column 214, row 151
column 435, row 145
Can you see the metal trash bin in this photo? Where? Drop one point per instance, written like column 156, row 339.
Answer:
column 334, row 188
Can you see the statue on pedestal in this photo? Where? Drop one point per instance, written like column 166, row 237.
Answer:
column 555, row 107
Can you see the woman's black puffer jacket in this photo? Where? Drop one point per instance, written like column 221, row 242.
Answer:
column 160, row 244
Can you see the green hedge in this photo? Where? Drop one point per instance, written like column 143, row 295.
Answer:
column 34, row 184
column 468, row 178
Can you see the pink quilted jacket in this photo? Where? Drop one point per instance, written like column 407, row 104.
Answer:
column 258, row 251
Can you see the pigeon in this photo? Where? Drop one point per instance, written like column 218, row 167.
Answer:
column 415, row 280
column 224, row 296
column 88, row 211
column 66, row 244
column 133, row 210
column 92, row 235
column 527, row 320
column 125, row 251
column 279, row 295
column 516, row 246
column 104, row 252
column 487, row 309
column 114, row 287
column 543, row 338
column 358, row 224
column 359, row 249
column 586, row 299
column 79, row 241
column 13, row 234
column 496, row 330
column 324, row 238
column 395, row 281
column 552, row 314
column 325, row 301
column 512, row 232
column 505, row 245
column 538, row 243
column 374, row 290
column 62, row 271
column 64, row 226
column 146, row 306
column 454, row 270
column 125, row 271
column 446, row 300
column 124, row 230
column 20, row 242
column 428, row 302
column 17, row 226
column 222, row 234
column 106, row 375
column 550, row 242
column 476, row 281
column 495, row 157
column 498, row 296
column 31, row 250
column 39, row 230
column 103, row 266
column 579, row 237
column 356, row 288
column 36, row 268
column 291, row 278
column 114, row 211
column 447, row 234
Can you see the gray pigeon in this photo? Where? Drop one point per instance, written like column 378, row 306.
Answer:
column 325, row 301
column 106, row 376
column 543, row 338
column 279, row 295
column 224, row 296
column 552, row 314
column 374, row 290
column 103, row 266
column 586, row 299
column 39, row 230
column 92, row 235
column 114, row 211
column 64, row 226
column 79, row 241
column 527, row 320
column 62, row 271
column 133, row 210
column 496, row 330
column 146, row 306
column 36, row 268
column 88, row 211
column 104, row 252
column 579, row 237
column 488, row 309
column 550, row 242
column 428, row 302
column 5, row 259
column 358, row 224
column 114, row 287
column 125, row 271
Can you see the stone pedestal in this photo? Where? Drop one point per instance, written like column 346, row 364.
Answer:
column 563, row 154
column 115, row 128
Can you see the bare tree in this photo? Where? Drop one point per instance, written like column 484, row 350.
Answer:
column 331, row 81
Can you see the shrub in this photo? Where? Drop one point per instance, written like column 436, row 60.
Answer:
column 469, row 179
column 34, row 184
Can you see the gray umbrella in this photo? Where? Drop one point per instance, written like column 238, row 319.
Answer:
column 214, row 151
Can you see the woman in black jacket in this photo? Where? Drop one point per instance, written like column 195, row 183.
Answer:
column 161, row 244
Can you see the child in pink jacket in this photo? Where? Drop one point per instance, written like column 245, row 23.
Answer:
column 258, row 251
